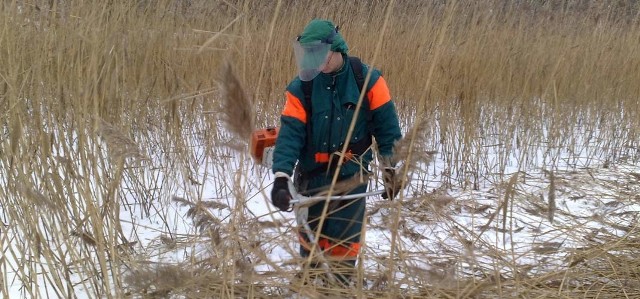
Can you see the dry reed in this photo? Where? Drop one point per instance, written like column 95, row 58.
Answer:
column 105, row 115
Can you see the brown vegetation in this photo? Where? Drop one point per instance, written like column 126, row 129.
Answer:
column 107, row 108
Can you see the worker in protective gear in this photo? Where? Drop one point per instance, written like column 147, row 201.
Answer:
column 319, row 108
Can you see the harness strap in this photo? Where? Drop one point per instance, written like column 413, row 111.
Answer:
column 356, row 65
column 307, row 88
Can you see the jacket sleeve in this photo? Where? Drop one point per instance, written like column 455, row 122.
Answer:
column 292, row 135
column 386, row 127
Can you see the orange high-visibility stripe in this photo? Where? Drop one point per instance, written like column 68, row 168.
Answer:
column 326, row 157
column 293, row 108
column 345, row 251
column 379, row 94
column 339, row 251
column 322, row 157
column 335, row 251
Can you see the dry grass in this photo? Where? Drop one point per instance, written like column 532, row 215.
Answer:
column 109, row 108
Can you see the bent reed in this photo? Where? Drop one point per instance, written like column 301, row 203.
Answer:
column 109, row 108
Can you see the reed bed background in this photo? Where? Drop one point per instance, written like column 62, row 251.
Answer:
column 110, row 108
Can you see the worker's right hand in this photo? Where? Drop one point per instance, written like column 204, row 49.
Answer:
column 392, row 181
column 280, row 194
column 391, row 186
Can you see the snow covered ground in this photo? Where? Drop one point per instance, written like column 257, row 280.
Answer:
column 447, row 234
column 529, row 222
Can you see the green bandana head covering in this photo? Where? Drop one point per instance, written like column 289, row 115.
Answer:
column 321, row 30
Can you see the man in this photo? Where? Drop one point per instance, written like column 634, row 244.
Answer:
column 320, row 105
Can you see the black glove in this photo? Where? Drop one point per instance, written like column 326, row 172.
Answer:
column 280, row 194
column 391, row 185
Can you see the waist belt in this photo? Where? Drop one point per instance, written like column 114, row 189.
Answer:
column 329, row 161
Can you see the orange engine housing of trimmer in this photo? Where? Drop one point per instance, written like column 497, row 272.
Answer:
column 262, row 139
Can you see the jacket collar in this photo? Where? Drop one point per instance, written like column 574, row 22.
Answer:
column 343, row 69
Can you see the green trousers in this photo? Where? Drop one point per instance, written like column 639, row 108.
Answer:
column 342, row 225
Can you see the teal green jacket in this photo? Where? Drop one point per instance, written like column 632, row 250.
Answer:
column 334, row 98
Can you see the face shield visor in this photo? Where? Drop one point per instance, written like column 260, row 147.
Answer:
column 310, row 58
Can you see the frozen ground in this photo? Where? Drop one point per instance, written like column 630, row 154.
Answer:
column 443, row 234
column 525, row 224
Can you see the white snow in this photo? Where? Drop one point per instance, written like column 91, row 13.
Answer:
column 448, row 229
